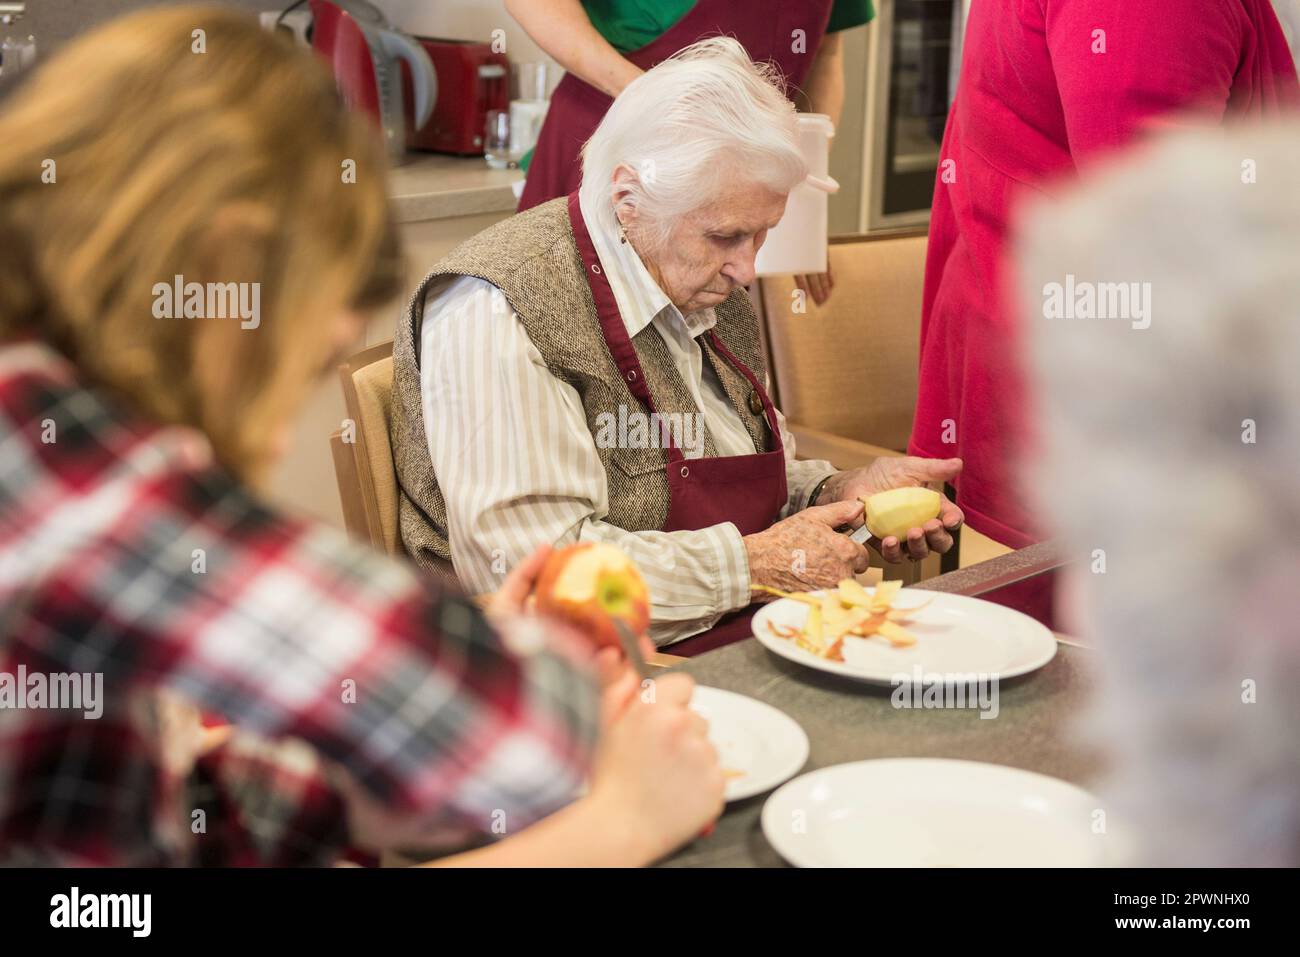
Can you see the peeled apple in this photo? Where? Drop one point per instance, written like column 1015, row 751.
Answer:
column 589, row 585
column 900, row 509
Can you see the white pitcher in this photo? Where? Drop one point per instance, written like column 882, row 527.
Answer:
column 798, row 243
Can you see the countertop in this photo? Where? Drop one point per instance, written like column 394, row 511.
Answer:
column 849, row 721
column 430, row 186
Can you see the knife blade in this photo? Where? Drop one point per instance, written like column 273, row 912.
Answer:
column 860, row 535
column 632, row 649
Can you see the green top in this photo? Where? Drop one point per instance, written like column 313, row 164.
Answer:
column 631, row 24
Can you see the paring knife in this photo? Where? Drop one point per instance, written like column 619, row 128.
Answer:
column 632, row 648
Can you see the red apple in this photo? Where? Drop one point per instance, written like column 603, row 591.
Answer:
column 590, row 584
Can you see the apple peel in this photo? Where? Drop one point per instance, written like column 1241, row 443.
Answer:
column 849, row 611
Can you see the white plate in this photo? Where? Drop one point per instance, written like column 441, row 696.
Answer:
column 954, row 635
column 930, row 812
column 751, row 737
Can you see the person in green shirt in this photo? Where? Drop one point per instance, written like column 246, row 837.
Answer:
column 606, row 44
column 631, row 24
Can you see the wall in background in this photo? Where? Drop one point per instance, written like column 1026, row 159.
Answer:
column 464, row 20
column 54, row 22
column 844, row 209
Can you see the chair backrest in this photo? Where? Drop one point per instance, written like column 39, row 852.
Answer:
column 363, row 456
column 849, row 368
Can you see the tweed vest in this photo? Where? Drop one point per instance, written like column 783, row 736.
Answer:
column 533, row 259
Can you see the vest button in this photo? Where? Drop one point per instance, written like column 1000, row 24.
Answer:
column 685, row 471
column 755, row 403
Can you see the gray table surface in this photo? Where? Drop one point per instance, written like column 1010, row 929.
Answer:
column 850, row 721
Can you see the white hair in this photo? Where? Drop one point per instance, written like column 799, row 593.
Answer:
column 1175, row 450
column 705, row 116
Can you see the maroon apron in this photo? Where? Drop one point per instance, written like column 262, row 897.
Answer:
column 765, row 28
column 746, row 490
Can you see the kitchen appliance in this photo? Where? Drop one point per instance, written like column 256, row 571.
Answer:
column 291, row 23
column 473, row 80
column 912, row 68
column 366, row 55
column 17, row 52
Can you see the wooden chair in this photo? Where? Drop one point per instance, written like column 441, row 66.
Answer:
column 845, row 373
column 363, row 456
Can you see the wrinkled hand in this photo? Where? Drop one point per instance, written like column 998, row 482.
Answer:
column 817, row 285
column 805, row 552
column 889, row 472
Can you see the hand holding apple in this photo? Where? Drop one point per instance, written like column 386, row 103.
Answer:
column 804, row 550
column 887, row 473
column 512, row 597
column 589, row 586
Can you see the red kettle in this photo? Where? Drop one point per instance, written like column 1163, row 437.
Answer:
column 366, row 55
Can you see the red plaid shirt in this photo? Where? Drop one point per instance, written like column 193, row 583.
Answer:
column 355, row 684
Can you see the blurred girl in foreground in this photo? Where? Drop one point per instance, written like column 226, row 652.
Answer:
column 371, row 707
column 1177, row 447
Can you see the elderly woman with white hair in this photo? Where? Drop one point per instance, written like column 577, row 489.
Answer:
column 1174, row 437
column 589, row 370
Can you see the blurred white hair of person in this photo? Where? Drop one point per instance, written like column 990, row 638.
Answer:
column 1177, row 448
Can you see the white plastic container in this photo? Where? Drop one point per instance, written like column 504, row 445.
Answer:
column 798, row 243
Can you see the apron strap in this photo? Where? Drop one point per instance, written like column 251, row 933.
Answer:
column 769, row 411
column 620, row 346
column 611, row 322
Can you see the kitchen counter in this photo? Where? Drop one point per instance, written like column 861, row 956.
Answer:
column 431, row 186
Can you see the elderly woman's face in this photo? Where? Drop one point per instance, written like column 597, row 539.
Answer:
column 711, row 250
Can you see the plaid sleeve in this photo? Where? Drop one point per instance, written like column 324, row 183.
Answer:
column 265, row 803
column 143, row 561
column 291, row 630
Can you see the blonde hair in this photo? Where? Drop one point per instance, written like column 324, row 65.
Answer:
column 189, row 142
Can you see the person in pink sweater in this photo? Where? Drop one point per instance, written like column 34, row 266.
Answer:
column 1046, row 88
